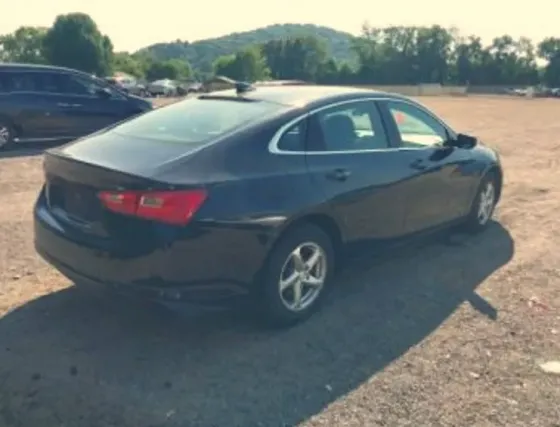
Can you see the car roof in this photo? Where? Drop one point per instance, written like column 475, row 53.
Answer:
column 301, row 95
column 38, row 67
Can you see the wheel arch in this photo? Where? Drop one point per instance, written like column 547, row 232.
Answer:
column 322, row 221
column 17, row 128
column 496, row 171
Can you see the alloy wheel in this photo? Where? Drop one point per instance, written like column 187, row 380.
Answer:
column 4, row 135
column 486, row 203
column 303, row 276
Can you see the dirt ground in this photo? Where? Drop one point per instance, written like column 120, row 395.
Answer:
column 449, row 333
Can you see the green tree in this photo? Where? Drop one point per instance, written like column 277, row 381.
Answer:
column 126, row 63
column 174, row 69
column 300, row 57
column 248, row 65
column 412, row 55
column 202, row 54
column 23, row 45
column 434, row 46
column 329, row 73
column 549, row 49
column 75, row 41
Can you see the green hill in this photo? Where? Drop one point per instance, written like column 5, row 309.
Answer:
column 201, row 54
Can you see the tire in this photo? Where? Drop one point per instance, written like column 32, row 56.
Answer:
column 280, row 308
column 6, row 134
column 480, row 217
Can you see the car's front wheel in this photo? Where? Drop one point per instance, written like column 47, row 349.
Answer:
column 6, row 134
column 483, row 205
column 296, row 276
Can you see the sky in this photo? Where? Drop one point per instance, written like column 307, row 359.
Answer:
column 132, row 25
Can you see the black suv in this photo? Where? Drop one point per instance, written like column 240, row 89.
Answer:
column 46, row 103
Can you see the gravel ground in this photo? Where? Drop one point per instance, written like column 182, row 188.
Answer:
column 449, row 332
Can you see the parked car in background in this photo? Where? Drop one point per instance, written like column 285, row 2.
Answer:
column 255, row 194
column 47, row 103
column 282, row 83
column 129, row 85
column 195, row 87
column 188, row 87
column 163, row 87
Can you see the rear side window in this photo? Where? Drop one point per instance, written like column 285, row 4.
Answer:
column 83, row 86
column 350, row 127
column 294, row 138
column 194, row 121
column 31, row 81
column 18, row 82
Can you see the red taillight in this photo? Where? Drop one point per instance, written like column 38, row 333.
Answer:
column 172, row 207
column 121, row 202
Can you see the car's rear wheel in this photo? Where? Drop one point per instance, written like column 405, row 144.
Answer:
column 483, row 205
column 6, row 134
column 296, row 276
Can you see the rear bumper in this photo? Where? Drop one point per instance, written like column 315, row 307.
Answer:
column 187, row 272
column 202, row 299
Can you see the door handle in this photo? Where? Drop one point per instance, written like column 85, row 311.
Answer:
column 339, row 174
column 418, row 164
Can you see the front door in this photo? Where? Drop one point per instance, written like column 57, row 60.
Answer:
column 360, row 173
column 88, row 107
column 437, row 191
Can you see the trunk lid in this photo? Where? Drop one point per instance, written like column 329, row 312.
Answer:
column 72, row 187
column 107, row 161
column 130, row 155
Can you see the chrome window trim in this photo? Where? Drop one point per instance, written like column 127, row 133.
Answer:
column 273, row 144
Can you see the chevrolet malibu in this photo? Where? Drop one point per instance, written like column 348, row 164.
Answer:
column 253, row 194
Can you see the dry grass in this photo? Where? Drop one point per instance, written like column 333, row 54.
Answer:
column 449, row 334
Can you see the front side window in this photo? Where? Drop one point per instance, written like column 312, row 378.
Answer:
column 82, row 86
column 349, row 127
column 417, row 128
column 49, row 83
column 195, row 121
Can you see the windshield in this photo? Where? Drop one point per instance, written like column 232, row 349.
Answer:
column 194, row 120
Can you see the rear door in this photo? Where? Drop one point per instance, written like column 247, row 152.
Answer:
column 33, row 108
column 438, row 190
column 354, row 165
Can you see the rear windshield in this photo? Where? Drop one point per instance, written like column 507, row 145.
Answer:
column 194, row 120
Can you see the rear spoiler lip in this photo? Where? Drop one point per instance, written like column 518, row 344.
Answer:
column 94, row 175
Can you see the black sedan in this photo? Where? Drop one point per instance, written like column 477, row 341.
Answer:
column 253, row 194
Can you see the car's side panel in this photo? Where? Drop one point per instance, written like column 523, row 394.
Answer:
column 34, row 115
column 26, row 113
column 253, row 196
column 38, row 104
column 362, row 186
column 368, row 205
column 441, row 180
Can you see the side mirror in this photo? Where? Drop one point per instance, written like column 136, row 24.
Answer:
column 462, row 141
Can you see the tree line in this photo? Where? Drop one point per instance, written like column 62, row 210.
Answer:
column 75, row 41
column 392, row 55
